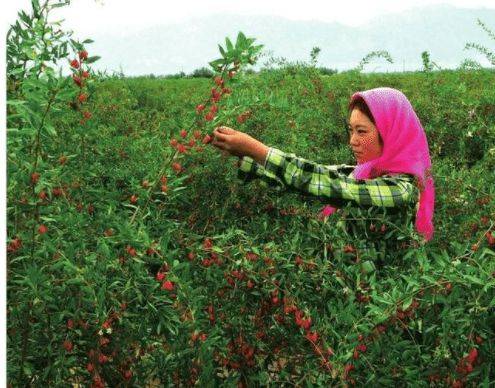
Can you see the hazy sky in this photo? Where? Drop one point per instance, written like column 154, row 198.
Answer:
column 109, row 16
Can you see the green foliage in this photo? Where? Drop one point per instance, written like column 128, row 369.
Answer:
column 372, row 55
column 490, row 55
column 315, row 51
column 88, row 302
column 202, row 72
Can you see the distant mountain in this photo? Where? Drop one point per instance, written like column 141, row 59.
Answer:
column 441, row 30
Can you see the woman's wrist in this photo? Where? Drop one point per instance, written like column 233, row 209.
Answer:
column 259, row 152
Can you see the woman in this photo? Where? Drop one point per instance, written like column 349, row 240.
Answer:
column 390, row 147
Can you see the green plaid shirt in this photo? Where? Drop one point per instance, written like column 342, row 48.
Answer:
column 334, row 184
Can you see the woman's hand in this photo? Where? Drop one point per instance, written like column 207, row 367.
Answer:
column 239, row 144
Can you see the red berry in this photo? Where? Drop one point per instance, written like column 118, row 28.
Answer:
column 219, row 81
column 134, row 198
column 383, row 228
column 490, row 238
column 174, row 142
column 160, row 276
column 85, row 74
column 214, row 109
column 362, row 348
column 70, row 324
column 68, row 346
column 82, row 98
column 127, row 374
column 181, row 148
column 183, row 133
column 104, row 341
column 75, row 64
column 306, row 323
column 207, row 244
column 35, row 177
column 200, row 108
column 312, row 336
column 207, row 139
column 83, row 55
column 164, row 188
column 168, row 285
column 90, row 367
column 251, row 256
column 231, row 74
column 77, row 80
column 209, row 116
column 42, row 229
column 87, row 115
column 241, row 118
column 102, row 358
column 176, row 167
column 130, row 250
column 473, row 354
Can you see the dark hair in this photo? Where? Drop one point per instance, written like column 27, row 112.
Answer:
column 360, row 104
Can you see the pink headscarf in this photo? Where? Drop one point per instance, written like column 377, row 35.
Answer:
column 405, row 150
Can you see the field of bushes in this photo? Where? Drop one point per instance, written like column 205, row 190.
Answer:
column 135, row 256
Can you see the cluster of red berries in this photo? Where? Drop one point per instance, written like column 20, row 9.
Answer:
column 243, row 117
column 79, row 78
column 216, row 94
column 404, row 315
column 14, row 244
column 241, row 353
column 465, row 364
column 161, row 277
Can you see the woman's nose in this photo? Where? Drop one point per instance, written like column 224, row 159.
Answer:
column 352, row 140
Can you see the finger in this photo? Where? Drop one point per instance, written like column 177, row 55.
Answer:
column 225, row 130
column 220, row 137
column 220, row 145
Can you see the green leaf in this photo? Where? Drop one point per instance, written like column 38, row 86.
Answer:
column 50, row 130
column 474, row 280
column 229, row 45
column 222, row 51
column 86, row 41
column 240, row 41
column 368, row 266
column 407, row 302
column 58, row 5
column 92, row 59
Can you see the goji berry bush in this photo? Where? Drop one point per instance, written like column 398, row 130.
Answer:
column 135, row 257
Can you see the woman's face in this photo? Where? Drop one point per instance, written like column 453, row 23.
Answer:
column 365, row 140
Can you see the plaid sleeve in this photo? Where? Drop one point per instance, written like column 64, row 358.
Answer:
column 329, row 182
column 249, row 169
